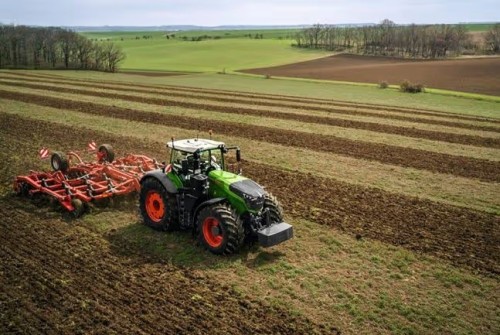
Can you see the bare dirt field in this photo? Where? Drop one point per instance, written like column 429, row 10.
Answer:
column 77, row 276
column 479, row 75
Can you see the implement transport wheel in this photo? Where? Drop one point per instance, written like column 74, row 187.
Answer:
column 59, row 162
column 79, row 208
column 220, row 230
column 106, row 153
column 158, row 207
column 274, row 207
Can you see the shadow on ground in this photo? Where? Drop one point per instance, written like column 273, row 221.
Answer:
column 181, row 248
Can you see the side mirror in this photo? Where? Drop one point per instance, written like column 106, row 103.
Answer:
column 238, row 155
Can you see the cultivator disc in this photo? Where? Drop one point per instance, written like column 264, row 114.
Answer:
column 74, row 182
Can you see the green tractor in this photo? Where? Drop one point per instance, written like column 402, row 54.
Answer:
column 196, row 191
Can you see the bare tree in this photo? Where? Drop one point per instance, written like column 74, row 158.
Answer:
column 29, row 47
column 492, row 39
column 113, row 55
column 389, row 39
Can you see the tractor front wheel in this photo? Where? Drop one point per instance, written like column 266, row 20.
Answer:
column 274, row 207
column 157, row 206
column 220, row 229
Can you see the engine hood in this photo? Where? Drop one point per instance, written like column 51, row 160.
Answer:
column 246, row 189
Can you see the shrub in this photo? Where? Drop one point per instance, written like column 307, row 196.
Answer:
column 383, row 84
column 267, row 76
column 409, row 87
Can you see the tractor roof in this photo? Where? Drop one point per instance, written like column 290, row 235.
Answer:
column 193, row 144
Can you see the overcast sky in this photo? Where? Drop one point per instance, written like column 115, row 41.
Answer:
column 243, row 12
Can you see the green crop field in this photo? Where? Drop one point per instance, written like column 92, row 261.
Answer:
column 233, row 51
column 479, row 26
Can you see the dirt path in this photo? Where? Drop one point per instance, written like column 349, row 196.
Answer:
column 479, row 75
column 407, row 157
column 462, row 236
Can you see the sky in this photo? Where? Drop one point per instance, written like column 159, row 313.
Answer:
column 240, row 12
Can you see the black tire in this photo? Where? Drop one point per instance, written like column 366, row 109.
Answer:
column 59, row 162
column 274, row 207
column 79, row 208
column 158, row 207
column 228, row 233
column 107, row 153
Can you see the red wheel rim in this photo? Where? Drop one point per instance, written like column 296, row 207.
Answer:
column 154, row 206
column 212, row 232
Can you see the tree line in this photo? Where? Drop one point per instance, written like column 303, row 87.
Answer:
column 389, row 39
column 50, row 47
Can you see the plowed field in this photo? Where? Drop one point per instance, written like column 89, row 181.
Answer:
column 59, row 276
column 468, row 75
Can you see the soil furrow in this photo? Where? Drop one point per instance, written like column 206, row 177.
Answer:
column 172, row 91
column 463, row 236
column 276, row 97
column 407, row 157
column 411, row 132
column 148, row 298
column 103, row 295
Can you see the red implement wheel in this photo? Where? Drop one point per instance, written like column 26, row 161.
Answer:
column 158, row 207
column 220, row 229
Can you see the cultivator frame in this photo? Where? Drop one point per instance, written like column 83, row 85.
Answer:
column 74, row 182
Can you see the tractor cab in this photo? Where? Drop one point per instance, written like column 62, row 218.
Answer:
column 199, row 156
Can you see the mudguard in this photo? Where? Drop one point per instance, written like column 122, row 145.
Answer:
column 162, row 178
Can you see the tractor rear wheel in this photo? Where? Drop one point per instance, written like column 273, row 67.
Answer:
column 220, row 230
column 274, row 207
column 158, row 207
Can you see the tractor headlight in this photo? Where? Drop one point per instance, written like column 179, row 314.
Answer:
column 254, row 203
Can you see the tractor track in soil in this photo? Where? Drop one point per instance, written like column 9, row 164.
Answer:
column 462, row 236
column 407, row 157
column 60, row 278
column 411, row 132
column 307, row 102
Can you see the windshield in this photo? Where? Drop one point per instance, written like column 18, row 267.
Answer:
column 208, row 159
column 212, row 158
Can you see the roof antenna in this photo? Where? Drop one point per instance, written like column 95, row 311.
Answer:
column 210, row 132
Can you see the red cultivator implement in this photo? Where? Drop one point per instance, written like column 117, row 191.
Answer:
column 74, row 182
